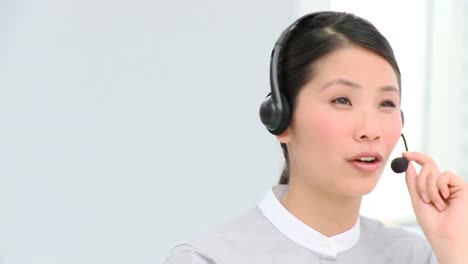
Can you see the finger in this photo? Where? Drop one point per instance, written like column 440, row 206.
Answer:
column 418, row 157
column 452, row 182
column 443, row 183
column 426, row 187
column 421, row 183
column 411, row 184
column 433, row 190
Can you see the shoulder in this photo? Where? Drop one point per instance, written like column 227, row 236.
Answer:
column 251, row 231
column 186, row 253
column 394, row 240
column 371, row 228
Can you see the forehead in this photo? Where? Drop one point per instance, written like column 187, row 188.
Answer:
column 362, row 66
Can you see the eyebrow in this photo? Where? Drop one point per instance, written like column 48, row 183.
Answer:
column 345, row 82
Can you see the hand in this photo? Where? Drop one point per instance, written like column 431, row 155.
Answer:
column 440, row 202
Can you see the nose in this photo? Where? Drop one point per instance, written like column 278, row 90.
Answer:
column 368, row 128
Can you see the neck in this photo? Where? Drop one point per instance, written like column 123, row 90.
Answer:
column 324, row 212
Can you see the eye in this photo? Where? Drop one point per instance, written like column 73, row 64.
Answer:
column 341, row 101
column 387, row 103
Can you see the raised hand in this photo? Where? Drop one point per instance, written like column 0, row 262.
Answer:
column 440, row 202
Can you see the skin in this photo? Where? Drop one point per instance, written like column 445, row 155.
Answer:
column 351, row 106
column 440, row 203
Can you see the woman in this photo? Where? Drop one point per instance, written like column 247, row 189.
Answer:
column 338, row 77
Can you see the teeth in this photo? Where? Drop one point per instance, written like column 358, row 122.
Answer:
column 367, row 158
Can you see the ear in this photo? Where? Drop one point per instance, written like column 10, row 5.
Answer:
column 284, row 137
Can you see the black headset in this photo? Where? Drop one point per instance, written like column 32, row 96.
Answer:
column 275, row 111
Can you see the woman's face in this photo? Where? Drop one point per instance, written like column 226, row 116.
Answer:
column 345, row 124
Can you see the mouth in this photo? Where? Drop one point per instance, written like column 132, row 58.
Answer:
column 366, row 161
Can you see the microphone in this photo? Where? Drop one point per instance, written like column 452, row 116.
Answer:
column 400, row 165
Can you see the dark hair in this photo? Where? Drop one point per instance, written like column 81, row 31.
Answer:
column 315, row 36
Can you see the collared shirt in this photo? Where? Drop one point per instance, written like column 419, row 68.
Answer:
column 301, row 233
column 269, row 234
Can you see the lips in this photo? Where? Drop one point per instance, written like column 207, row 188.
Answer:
column 366, row 161
column 361, row 155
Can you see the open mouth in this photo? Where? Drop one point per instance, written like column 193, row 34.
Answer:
column 368, row 160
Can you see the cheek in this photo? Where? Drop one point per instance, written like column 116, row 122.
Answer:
column 325, row 129
column 393, row 133
column 331, row 126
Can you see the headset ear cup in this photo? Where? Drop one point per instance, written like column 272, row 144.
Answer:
column 275, row 121
column 402, row 118
column 268, row 113
column 285, row 117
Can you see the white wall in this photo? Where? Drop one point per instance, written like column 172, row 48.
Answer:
column 128, row 126
column 447, row 74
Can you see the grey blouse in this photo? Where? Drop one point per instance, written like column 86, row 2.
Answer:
column 269, row 234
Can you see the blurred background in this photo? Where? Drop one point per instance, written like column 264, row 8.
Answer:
column 130, row 126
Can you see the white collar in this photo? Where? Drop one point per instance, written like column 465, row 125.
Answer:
column 301, row 233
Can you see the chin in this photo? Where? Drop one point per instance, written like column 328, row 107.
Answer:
column 358, row 192
column 362, row 186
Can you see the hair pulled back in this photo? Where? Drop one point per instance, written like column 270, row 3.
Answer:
column 316, row 36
